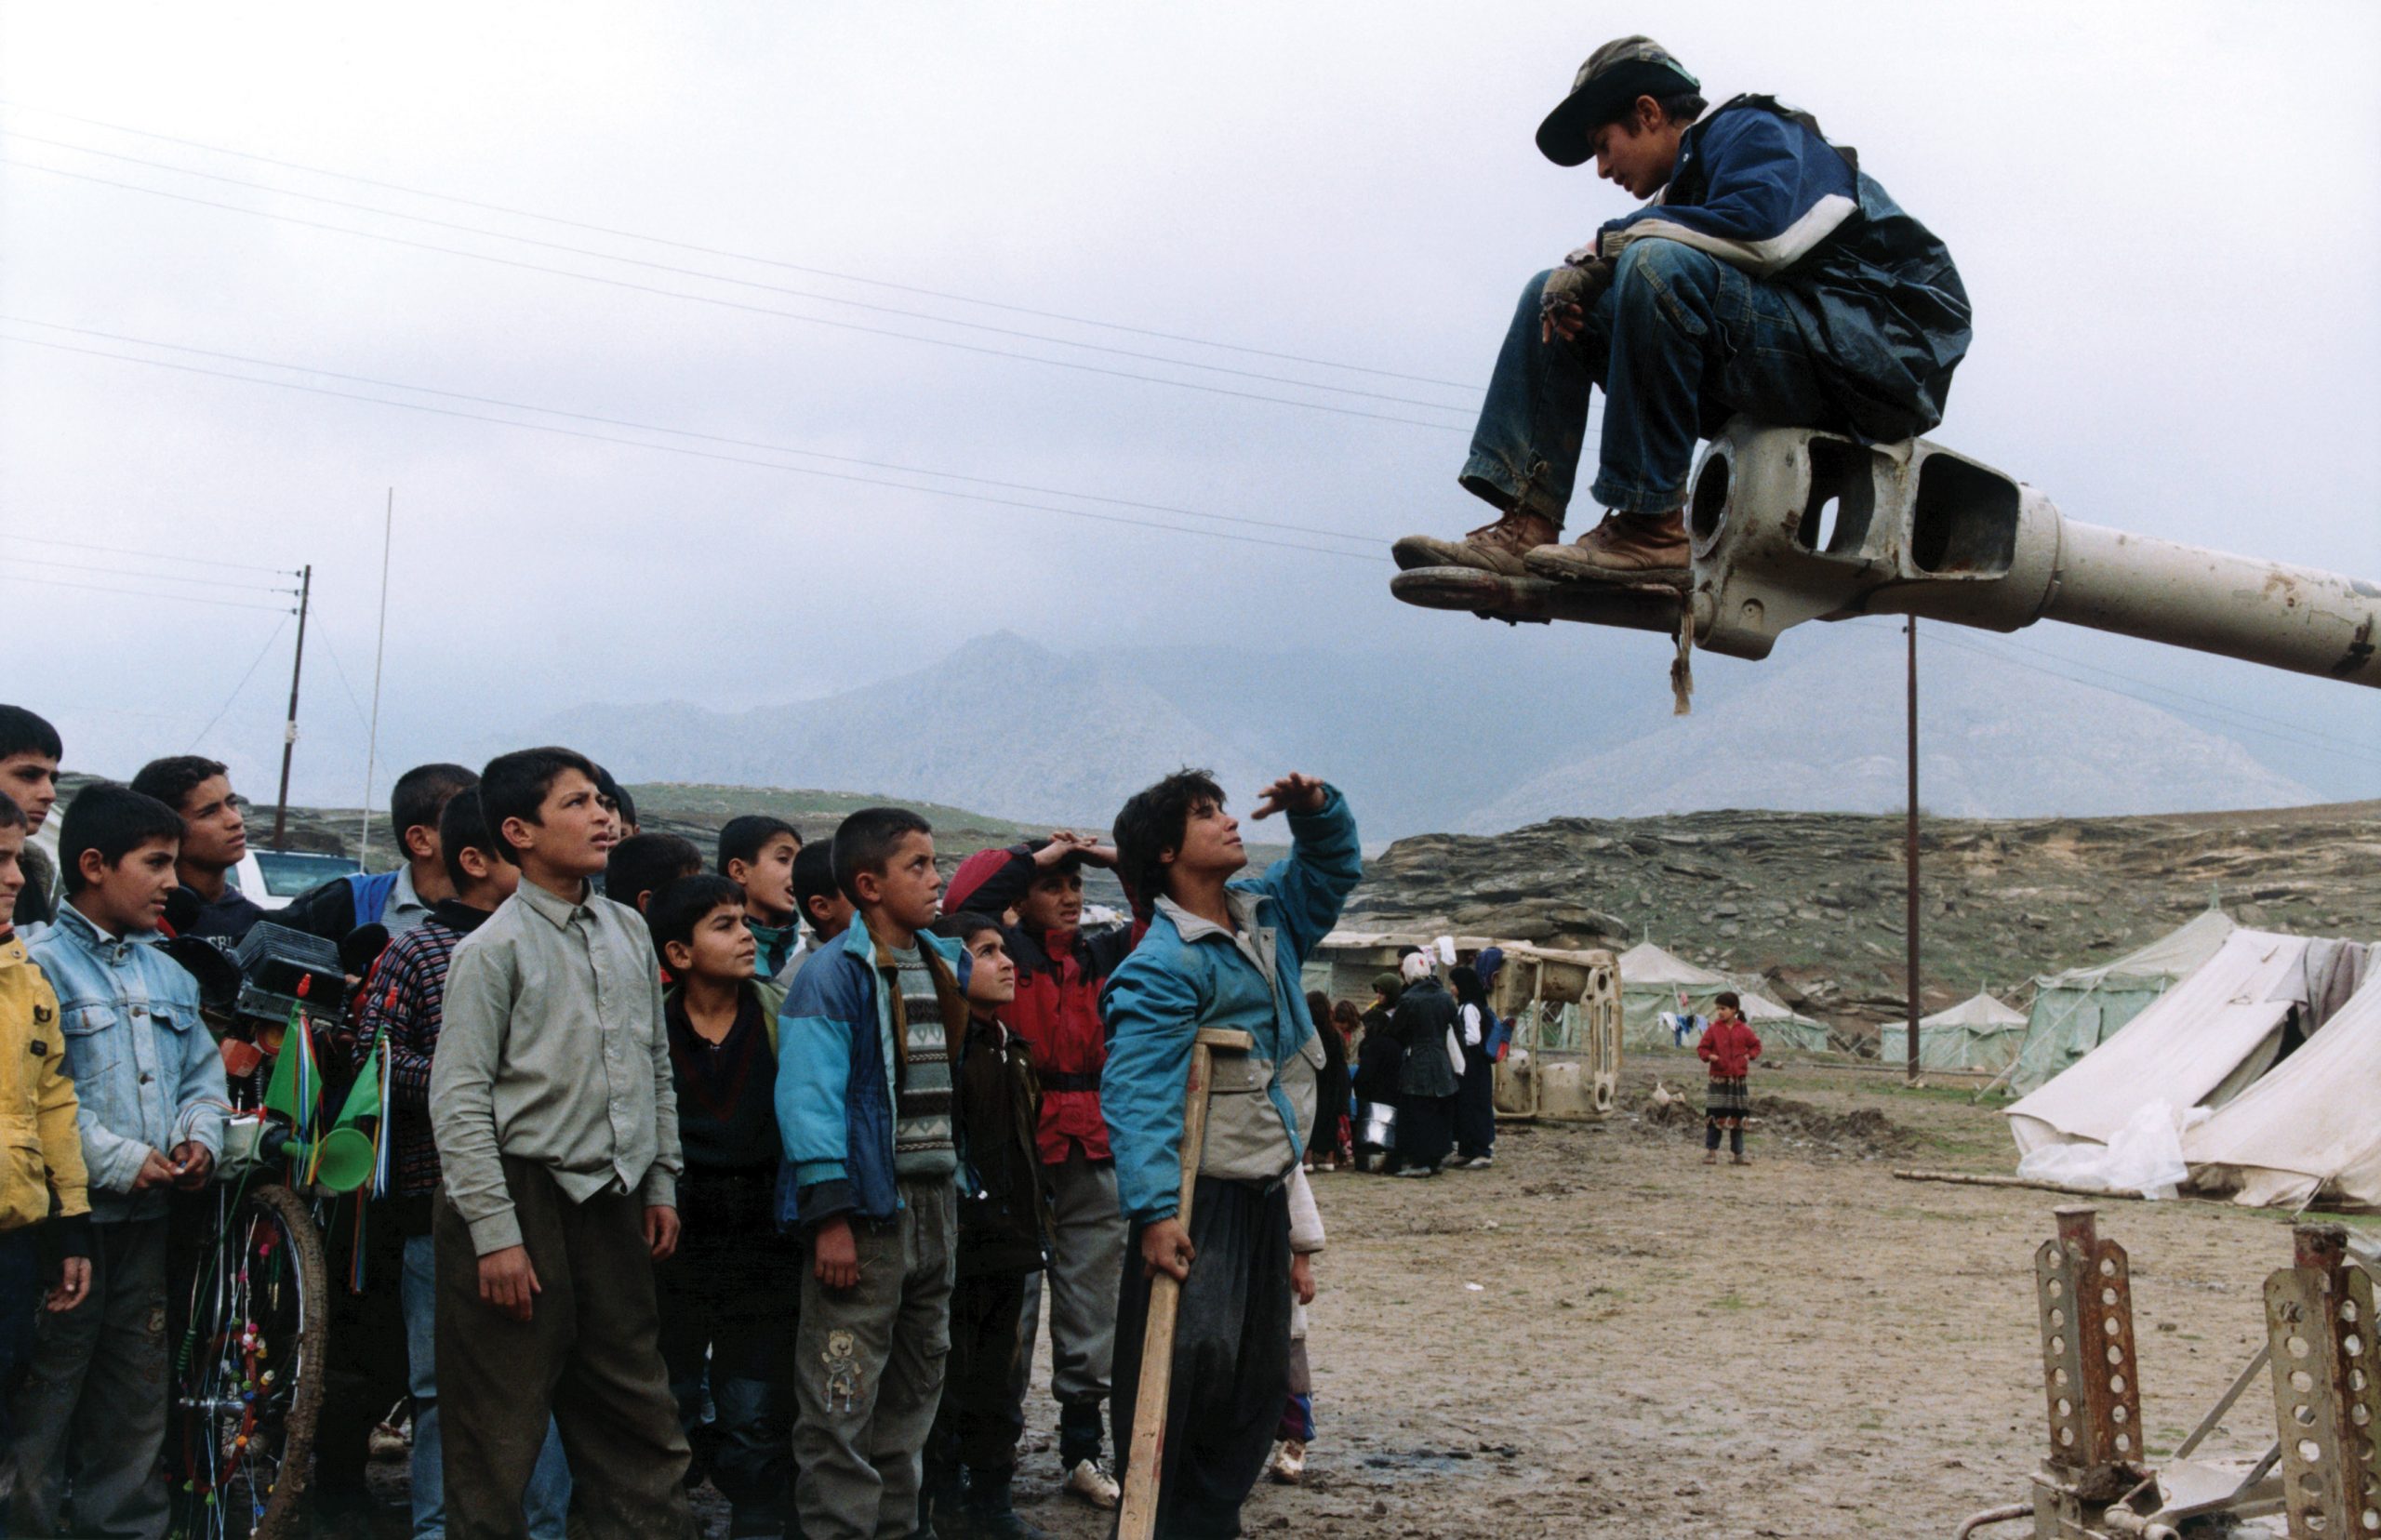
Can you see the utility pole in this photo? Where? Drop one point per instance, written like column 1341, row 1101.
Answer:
column 379, row 652
column 290, row 728
column 1911, row 856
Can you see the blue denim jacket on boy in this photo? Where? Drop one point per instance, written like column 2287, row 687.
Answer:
column 1184, row 976
column 835, row 1083
column 144, row 1065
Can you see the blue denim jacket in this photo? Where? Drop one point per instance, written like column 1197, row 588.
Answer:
column 144, row 1065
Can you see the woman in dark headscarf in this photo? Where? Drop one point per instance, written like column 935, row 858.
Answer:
column 1426, row 1080
column 1330, row 1134
column 1475, row 1099
column 1377, row 1057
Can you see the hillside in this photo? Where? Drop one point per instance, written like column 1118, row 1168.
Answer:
column 1814, row 902
column 1825, row 732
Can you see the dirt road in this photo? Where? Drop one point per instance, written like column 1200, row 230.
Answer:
column 1803, row 1347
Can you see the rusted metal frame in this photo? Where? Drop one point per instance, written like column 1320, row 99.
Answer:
column 2084, row 1292
column 2327, row 1387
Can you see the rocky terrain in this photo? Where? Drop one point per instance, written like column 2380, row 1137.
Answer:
column 1814, row 902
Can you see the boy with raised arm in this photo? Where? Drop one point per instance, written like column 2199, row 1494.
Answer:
column 867, row 1050
column 1221, row 952
column 557, row 1132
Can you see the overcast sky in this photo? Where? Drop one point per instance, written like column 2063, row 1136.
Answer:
column 2166, row 216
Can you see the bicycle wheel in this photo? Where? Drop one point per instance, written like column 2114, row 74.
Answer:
column 249, row 1371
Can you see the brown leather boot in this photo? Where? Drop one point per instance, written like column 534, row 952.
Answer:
column 1625, row 548
column 1498, row 547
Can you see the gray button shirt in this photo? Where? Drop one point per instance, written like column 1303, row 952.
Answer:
column 553, row 1050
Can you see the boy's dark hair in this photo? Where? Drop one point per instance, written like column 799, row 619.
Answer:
column 514, row 786
column 965, row 928
column 422, row 794
column 115, row 821
column 647, row 863
column 866, row 841
column 614, row 792
column 1679, row 107
column 813, row 877
column 24, row 732
column 462, row 825
column 174, row 778
column 680, row 906
column 1151, row 823
column 11, row 816
column 742, row 837
column 1728, row 997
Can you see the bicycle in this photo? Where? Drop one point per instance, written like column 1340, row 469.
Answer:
column 251, row 1330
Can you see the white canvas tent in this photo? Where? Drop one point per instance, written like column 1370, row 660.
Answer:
column 2076, row 1011
column 1650, row 982
column 2308, row 1130
column 1977, row 1033
column 1779, row 1027
column 2200, row 1044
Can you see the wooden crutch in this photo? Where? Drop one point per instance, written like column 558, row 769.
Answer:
column 1138, row 1517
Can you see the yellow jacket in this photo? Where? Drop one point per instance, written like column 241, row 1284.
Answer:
column 41, row 1152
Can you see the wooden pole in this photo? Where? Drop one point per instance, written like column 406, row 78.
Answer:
column 1137, row 1519
column 1910, row 907
column 290, row 728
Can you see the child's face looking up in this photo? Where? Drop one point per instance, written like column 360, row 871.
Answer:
column 574, row 834
column 767, row 879
column 909, row 891
column 993, row 980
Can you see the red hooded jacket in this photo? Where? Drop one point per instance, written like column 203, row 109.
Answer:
column 1729, row 1046
column 1059, row 976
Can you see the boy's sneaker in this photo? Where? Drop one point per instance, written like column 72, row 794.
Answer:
column 1289, row 1462
column 1090, row 1481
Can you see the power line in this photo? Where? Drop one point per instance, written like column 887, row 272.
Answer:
column 734, row 256
column 243, row 684
column 153, row 577
column 155, row 555
column 733, row 304
column 683, row 450
column 710, row 277
column 139, row 593
column 1367, row 536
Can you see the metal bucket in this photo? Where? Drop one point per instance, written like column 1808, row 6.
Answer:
column 1380, row 1125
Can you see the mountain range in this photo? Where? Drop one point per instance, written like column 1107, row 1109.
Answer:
column 1012, row 727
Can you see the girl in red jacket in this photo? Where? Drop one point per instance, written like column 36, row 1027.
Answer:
column 1729, row 1047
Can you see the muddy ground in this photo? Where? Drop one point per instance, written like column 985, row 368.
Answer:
column 1602, row 1336
column 1803, row 1348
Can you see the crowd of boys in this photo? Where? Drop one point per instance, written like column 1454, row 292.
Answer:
column 746, row 1170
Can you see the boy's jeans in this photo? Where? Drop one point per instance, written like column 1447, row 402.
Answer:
column 95, row 1398
column 1681, row 342
column 728, row 1320
column 549, row 1496
column 869, row 1369
column 1087, row 1257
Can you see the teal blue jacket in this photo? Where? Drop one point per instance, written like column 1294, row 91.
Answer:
column 835, row 1089
column 1174, row 984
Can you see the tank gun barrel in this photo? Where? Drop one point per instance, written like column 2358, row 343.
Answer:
column 1790, row 524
